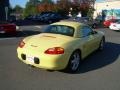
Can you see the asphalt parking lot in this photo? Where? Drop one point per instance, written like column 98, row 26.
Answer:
column 100, row 71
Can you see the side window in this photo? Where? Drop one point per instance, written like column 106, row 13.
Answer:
column 53, row 29
column 86, row 31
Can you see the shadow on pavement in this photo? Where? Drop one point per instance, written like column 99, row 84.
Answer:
column 27, row 33
column 101, row 59
column 20, row 34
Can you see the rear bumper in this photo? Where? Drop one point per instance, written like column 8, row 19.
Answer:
column 51, row 62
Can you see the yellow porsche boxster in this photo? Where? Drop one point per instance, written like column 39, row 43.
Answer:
column 61, row 46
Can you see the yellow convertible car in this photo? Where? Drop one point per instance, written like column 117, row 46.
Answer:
column 61, row 46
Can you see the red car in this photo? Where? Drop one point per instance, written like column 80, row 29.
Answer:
column 7, row 28
column 108, row 22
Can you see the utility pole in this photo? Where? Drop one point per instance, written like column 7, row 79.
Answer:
column 4, row 9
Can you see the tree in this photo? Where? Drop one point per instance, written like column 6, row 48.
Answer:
column 47, row 1
column 17, row 12
column 34, row 2
column 64, row 6
column 46, row 5
column 30, row 9
column 18, row 9
column 85, row 6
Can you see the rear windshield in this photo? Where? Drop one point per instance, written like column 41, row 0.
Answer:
column 60, row 29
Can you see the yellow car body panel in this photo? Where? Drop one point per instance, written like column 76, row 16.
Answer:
column 40, row 43
column 35, row 46
column 52, row 62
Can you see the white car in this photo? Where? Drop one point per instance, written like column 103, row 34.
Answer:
column 115, row 26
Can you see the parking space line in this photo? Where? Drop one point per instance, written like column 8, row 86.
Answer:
column 8, row 38
column 38, row 26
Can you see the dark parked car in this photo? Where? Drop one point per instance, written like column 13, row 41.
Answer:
column 50, row 18
column 88, row 21
column 37, row 17
column 47, row 17
column 30, row 17
column 42, row 17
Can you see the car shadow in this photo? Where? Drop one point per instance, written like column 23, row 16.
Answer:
column 27, row 33
column 101, row 59
column 116, row 30
column 20, row 34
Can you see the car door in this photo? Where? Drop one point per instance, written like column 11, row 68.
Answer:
column 88, row 39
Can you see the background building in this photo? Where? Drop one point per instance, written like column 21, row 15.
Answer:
column 108, row 9
column 4, row 8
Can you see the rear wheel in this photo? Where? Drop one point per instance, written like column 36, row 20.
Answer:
column 74, row 62
column 94, row 25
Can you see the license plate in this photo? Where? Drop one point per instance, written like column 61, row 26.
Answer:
column 30, row 59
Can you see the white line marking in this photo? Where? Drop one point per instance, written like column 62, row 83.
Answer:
column 8, row 38
column 38, row 26
column 17, row 27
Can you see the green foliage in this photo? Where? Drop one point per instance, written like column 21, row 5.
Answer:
column 18, row 9
column 64, row 6
column 90, row 12
column 46, row 1
column 34, row 2
column 30, row 9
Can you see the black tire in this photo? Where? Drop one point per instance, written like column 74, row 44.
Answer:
column 94, row 26
column 101, row 45
column 74, row 62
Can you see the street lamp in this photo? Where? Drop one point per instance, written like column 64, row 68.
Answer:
column 70, row 12
column 6, row 13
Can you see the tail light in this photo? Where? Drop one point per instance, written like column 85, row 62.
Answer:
column 21, row 44
column 55, row 50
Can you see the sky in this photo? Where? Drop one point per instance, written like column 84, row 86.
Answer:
column 18, row 2
column 23, row 2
